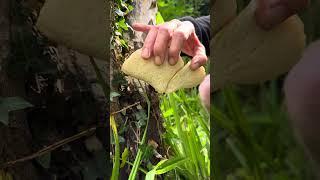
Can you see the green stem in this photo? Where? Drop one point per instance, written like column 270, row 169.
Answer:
column 140, row 152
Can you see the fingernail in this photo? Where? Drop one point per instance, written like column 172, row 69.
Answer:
column 145, row 53
column 195, row 65
column 157, row 60
column 274, row 16
column 172, row 61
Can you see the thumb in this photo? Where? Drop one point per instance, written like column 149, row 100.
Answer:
column 270, row 13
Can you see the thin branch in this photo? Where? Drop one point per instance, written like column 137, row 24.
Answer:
column 49, row 148
column 132, row 105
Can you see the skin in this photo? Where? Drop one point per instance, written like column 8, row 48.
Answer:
column 302, row 88
column 172, row 37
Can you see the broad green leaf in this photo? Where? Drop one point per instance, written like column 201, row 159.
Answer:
column 151, row 175
column 159, row 18
column 11, row 104
column 161, row 4
column 113, row 94
column 14, row 103
column 122, row 23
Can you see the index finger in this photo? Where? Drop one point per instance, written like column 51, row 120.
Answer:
column 142, row 27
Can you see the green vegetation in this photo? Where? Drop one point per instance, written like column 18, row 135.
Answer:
column 186, row 122
column 252, row 136
column 187, row 133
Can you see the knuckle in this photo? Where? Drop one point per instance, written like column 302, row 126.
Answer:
column 188, row 24
column 173, row 51
column 157, row 50
column 176, row 22
column 180, row 34
column 164, row 29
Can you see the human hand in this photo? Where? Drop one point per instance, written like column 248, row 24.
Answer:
column 269, row 13
column 204, row 92
column 172, row 37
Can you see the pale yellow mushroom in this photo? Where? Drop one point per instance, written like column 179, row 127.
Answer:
column 224, row 11
column 78, row 24
column 164, row 78
column 186, row 78
column 244, row 53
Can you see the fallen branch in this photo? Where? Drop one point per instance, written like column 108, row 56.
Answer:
column 49, row 148
column 132, row 105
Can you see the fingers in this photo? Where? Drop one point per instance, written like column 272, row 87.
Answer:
column 162, row 41
column 141, row 27
column 147, row 49
column 200, row 58
column 204, row 92
column 179, row 38
column 169, row 39
column 198, row 61
column 269, row 13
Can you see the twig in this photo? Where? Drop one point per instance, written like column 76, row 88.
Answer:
column 49, row 148
column 116, row 112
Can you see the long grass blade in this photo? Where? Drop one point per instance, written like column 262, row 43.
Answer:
column 116, row 162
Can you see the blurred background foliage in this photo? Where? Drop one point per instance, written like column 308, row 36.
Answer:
column 173, row 9
column 252, row 137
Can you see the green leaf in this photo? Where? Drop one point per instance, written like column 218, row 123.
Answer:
column 162, row 4
column 122, row 23
column 116, row 163
column 124, row 157
column 168, row 113
column 140, row 152
column 151, row 175
column 171, row 164
column 14, row 103
column 113, row 94
column 141, row 117
column 159, row 18
column 241, row 158
column 11, row 104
